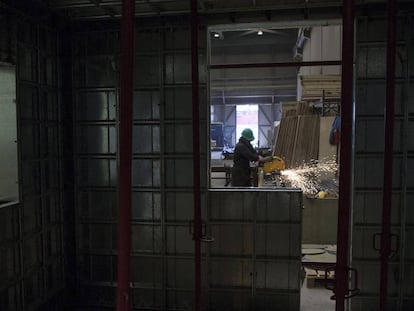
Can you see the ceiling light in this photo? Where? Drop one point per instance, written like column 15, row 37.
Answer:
column 216, row 35
column 259, row 33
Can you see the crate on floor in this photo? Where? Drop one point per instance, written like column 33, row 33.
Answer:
column 316, row 278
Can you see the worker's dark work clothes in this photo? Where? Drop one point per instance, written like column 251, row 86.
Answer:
column 243, row 154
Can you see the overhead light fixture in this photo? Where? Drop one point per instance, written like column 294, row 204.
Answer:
column 218, row 34
column 259, row 33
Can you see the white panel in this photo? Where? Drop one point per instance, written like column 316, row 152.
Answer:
column 8, row 135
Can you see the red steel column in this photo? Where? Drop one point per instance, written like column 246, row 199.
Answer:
column 388, row 154
column 196, row 157
column 123, row 301
column 345, row 165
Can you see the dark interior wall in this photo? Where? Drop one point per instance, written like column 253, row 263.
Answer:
column 32, row 273
column 371, row 56
column 162, row 246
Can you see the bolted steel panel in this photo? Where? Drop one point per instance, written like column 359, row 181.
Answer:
column 179, row 138
column 257, row 247
column 278, row 240
column 94, row 172
column 146, row 272
column 27, row 59
column 9, row 223
column 146, row 139
column 11, row 298
column 94, row 139
column 93, row 294
column 367, row 173
column 147, row 299
column 237, row 300
column 367, row 208
column 180, row 273
column 179, row 173
column 147, row 41
column 97, row 236
column 146, row 238
column 146, row 70
column 146, row 206
column 162, row 245
column 227, row 273
column 179, row 206
column 146, row 105
column 145, row 173
column 10, row 268
column 32, row 217
column 33, row 288
column 178, row 103
column 95, row 106
column 179, row 240
column 180, row 299
column 276, row 302
column 232, row 239
column 97, row 204
column 277, row 275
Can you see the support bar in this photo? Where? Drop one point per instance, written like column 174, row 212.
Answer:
column 388, row 154
column 196, row 157
column 123, row 301
column 345, row 168
column 280, row 64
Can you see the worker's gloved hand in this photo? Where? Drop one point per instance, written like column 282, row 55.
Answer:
column 268, row 159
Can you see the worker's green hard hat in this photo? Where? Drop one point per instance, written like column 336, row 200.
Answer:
column 248, row 134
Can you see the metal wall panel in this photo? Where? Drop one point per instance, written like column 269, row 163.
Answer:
column 256, row 251
column 31, row 231
column 162, row 201
column 368, row 172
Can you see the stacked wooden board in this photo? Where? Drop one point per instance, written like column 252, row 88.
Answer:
column 316, row 87
column 298, row 137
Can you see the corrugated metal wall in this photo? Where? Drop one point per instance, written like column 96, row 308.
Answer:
column 370, row 103
column 162, row 246
column 31, row 231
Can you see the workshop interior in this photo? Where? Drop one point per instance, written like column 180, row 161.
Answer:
column 119, row 122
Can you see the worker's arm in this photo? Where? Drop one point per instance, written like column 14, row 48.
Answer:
column 251, row 155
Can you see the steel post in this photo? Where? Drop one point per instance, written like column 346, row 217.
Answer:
column 196, row 157
column 123, row 301
column 345, row 177
column 388, row 153
column 277, row 64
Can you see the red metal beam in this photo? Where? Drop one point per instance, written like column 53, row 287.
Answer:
column 123, row 301
column 279, row 64
column 388, row 154
column 345, row 169
column 196, row 157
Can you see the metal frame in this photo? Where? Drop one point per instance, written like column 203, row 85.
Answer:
column 196, row 156
column 125, row 155
column 388, row 153
column 341, row 289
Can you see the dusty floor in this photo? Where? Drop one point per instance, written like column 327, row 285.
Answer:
column 316, row 299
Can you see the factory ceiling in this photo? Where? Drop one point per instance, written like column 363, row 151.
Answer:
column 103, row 9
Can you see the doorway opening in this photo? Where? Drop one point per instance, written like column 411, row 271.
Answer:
column 284, row 83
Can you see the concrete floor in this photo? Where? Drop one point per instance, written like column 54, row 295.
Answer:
column 316, row 299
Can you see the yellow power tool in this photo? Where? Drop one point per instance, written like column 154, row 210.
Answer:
column 276, row 165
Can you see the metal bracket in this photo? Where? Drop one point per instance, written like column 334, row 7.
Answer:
column 353, row 291
column 393, row 237
column 204, row 237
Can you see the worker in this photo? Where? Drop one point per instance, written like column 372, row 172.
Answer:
column 243, row 154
